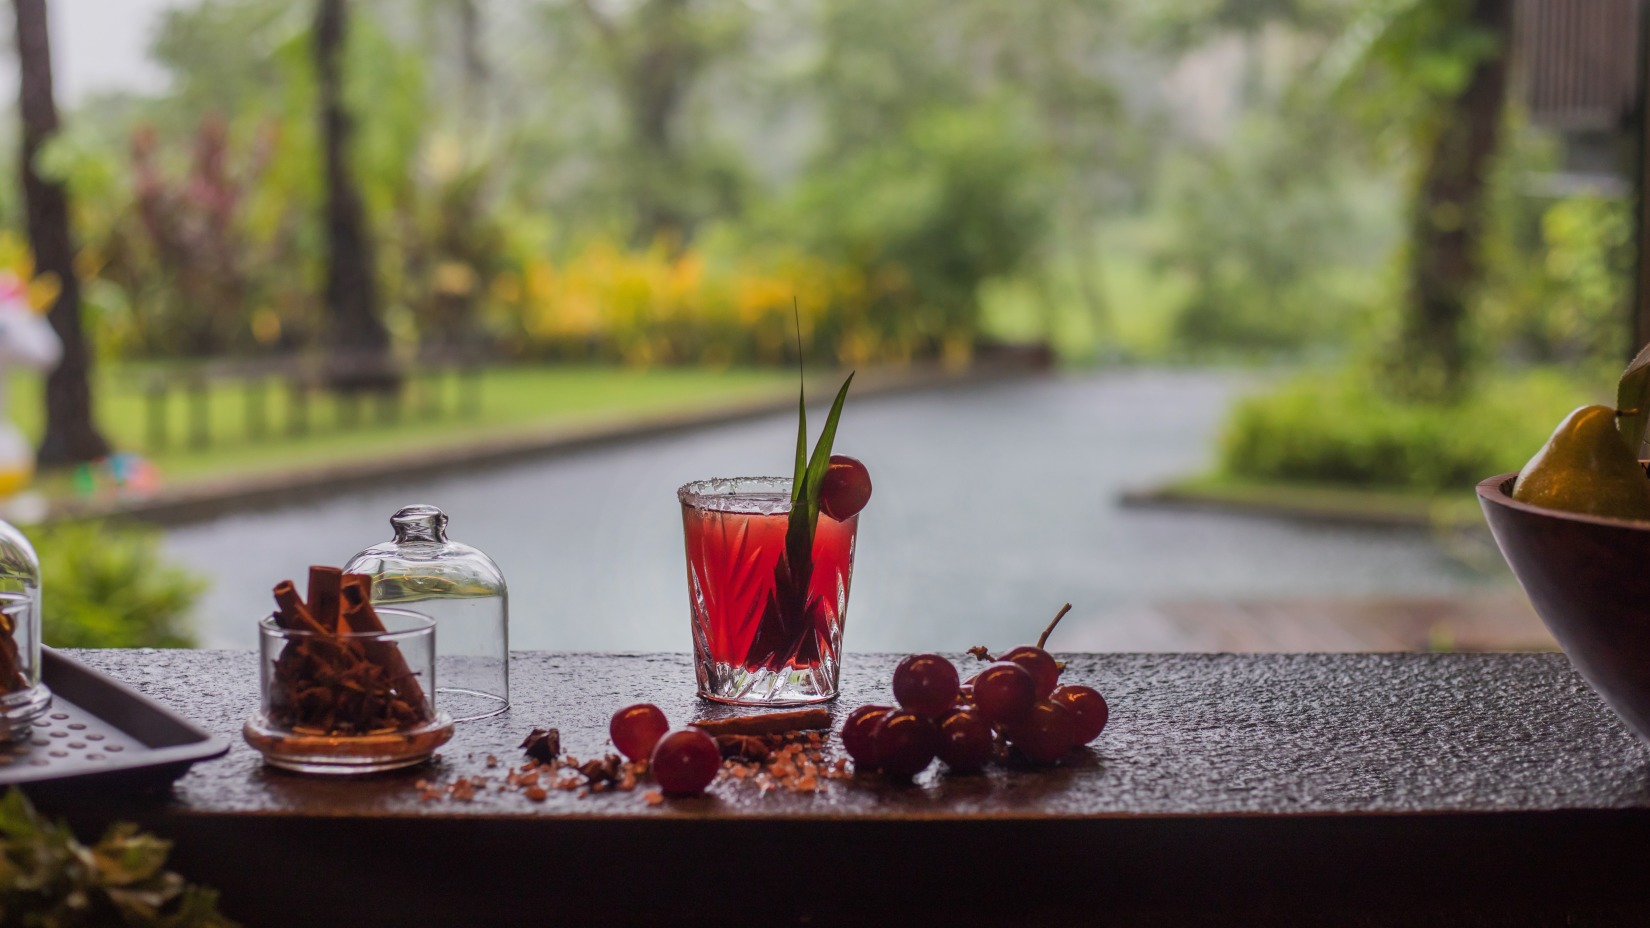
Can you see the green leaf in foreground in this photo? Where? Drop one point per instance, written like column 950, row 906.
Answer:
column 49, row 878
column 1633, row 401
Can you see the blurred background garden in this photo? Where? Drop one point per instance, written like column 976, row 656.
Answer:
column 1329, row 251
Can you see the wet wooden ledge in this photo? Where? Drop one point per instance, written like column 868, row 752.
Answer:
column 1375, row 789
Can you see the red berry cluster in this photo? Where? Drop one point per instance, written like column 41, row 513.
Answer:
column 1015, row 703
column 683, row 761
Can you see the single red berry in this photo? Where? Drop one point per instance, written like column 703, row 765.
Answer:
column 1045, row 734
column 685, row 761
column 925, row 684
column 1004, row 692
column 1088, row 710
column 906, row 744
column 1044, row 669
column 845, row 489
column 966, row 741
column 636, row 729
column 859, row 735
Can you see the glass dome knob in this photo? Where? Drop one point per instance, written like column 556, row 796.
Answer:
column 419, row 524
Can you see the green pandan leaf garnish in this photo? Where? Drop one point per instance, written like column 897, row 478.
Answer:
column 810, row 476
column 780, row 634
column 799, row 477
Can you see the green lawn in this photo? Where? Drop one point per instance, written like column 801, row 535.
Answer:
column 511, row 400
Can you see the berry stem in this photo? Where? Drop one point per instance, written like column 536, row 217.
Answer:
column 1043, row 641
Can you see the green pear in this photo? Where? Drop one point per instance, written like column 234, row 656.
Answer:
column 1586, row 467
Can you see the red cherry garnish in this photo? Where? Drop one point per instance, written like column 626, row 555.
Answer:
column 1046, row 733
column 925, row 684
column 685, row 761
column 906, row 744
column 636, row 729
column 1088, row 711
column 845, row 489
column 859, row 735
column 1004, row 692
column 1044, row 670
column 965, row 741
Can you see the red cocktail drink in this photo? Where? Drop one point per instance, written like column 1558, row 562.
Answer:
column 767, row 630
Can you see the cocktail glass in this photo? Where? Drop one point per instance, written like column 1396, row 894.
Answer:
column 766, row 632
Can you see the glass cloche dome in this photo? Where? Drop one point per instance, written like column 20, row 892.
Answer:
column 463, row 591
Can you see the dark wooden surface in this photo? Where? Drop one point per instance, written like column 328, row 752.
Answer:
column 1298, row 789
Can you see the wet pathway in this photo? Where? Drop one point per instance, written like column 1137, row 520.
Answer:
column 993, row 505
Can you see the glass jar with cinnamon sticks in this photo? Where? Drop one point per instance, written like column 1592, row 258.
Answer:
column 347, row 688
column 23, row 698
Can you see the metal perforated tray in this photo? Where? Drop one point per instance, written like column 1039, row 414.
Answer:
column 100, row 733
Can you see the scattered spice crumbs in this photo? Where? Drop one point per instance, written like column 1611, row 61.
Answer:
column 790, row 762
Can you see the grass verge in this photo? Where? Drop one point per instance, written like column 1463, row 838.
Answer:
column 512, row 400
column 1317, row 502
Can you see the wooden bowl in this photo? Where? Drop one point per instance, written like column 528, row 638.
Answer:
column 1589, row 580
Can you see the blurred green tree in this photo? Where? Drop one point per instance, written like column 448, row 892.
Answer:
column 1275, row 239
column 654, row 52
column 1437, row 69
column 954, row 198
column 966, row 141
column 424, row 158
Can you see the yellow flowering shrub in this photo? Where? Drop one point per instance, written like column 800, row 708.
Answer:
column 664, row 306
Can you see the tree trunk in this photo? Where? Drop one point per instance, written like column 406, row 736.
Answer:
column 71, row 436
column 654, row 60
column 360, row 343
column 476, row 71
column 1449, row 216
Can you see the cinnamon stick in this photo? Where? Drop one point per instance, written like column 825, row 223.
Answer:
column 356, row 590
column 293, row 614
column 12, row 677
column 768, row 723
column 324, row 590
column 359, row 615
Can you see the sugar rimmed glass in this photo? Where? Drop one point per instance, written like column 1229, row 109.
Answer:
column 765, row 633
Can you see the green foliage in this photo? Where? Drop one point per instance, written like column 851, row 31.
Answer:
column 50, row 880
column 108, row 586
column 1396, row 65
column 931, row 154
column 1282, row 250
column 1557, row 284
column 211, row 74
column 653, row 123
column 1341, row 429
column 954, row 200
column 200, row 222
